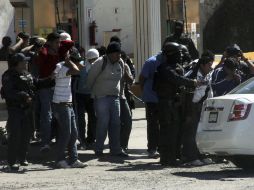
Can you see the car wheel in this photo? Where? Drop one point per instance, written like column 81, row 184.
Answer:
column 246, row 163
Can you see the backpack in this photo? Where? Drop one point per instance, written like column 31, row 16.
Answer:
column 104, row 64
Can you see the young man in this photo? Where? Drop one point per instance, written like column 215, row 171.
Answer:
column 104, row 80
column 230, row 81
column 126, row 101
column 150, row 98
column 244, row 67
column 193, row 105
column 64, row 114
column 47, row 60
column 85, row 102
column 49, row 56
column 18, row 90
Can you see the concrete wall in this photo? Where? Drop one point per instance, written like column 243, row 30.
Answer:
column 207, row 9
column 7, row 20
column 103, row 12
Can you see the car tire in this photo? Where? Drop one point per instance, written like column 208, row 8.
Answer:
column 246, row 163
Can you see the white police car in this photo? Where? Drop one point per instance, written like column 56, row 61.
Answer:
column 226, row 126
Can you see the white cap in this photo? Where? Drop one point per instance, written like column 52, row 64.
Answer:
column 65, row 36
column 92, row 54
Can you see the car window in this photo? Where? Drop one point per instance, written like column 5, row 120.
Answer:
column 244, row 88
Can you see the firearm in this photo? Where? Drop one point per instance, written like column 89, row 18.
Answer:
column 137, row 98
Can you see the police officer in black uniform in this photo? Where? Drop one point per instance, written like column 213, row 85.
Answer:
column 18, row 91
column 166, row 83
column 179, row 38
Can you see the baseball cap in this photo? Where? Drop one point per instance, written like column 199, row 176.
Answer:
column 65, row 36
column 17, row 58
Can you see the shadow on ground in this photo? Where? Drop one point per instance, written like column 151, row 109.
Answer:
column 138, row 166
column 227, row 174
column 139, row 119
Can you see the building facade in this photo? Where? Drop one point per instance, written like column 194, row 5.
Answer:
column 141, row 25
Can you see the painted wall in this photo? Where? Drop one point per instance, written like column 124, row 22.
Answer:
column 103, row 12
column 7, row 20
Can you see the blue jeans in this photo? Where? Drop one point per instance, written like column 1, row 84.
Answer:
column 46, row 96
column 126, row 123
column 85, row 104
column 108, row 120
column 67, row 132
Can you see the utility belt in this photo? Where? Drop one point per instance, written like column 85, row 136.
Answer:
column 69, row 104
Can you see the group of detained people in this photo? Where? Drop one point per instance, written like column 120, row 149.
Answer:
column 60, row 87
column 174, row 89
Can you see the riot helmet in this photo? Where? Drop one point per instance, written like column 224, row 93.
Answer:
column 173, row 52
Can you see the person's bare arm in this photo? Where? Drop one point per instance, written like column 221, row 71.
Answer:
column 80, row 66
column 73, row 69
column 27, row 49
column 16, row 46
column 250, row 64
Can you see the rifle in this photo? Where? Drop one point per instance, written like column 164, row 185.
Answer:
column 134, row 96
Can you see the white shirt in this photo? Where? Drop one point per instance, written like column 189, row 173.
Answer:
column 62, row 92
column 199, row 92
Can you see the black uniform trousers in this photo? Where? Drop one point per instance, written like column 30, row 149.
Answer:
column 19, row 134
column 153, row 127
column 169, row 119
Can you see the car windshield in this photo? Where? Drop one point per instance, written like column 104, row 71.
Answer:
column 244, row 88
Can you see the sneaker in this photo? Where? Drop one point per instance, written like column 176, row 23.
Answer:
column 125, row 150
column 82, row 146
column 194, row 163
column 45, row 148
column 207, row 161
column 153, row 154
column 170, row 163
column 11, row 168
column 78, row 164
column 121, row 154
column 24, row 163
column 62, row 164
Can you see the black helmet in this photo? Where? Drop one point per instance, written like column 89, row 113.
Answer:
column 173, row 52
column 171, row 48
column 186, row 54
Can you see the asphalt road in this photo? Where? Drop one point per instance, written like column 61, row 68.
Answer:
column 136, row 172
